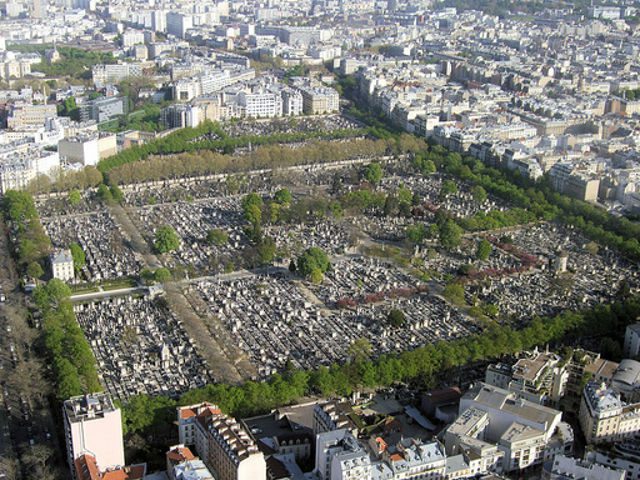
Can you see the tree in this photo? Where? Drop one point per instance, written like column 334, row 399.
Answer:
column 396, row 318
column 312, row 259
column 217, row 237
column 34, row 270
column 450, row 234
column 162, row 275
column 360, row 350
column 483, row 250
column 373, row 173
column 266, row 250
column 75, row 197
column 416, row 233
column 283, row 196
column 454, row 292
column 166, row 239
column 479, row 194
column 252, row 208
column 79, row 257
column 104, row 194
column 449, row 187
column 116, row 193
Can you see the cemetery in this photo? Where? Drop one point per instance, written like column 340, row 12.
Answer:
column 141, row 347
column 108, row 255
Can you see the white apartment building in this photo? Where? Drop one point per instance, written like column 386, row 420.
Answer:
column 222, row 443
column 131, row 38
column 527, row 433
column 187, row 89
column 538, row 377
column 93, row 425
column 88, row 149
column 109, row 74
column 21, row 163
column 260, row 104
column 317, row 99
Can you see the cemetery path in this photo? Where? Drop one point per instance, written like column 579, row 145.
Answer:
column 211, row 342
column 139, row 244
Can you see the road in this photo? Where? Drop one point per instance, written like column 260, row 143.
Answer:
column 27, row 416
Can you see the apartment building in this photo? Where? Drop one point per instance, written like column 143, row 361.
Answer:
column 24, row 115
column 317, row 99
column 187, row 89
column 333, row 415
column 565, row 178
column 22, row 163
column 103, row 109
column 110, row 74
column 86, row 468
column 184, row 465
column 222, row 443
column 567, row 468
column 604, row 417
column 527, row 433
column 539, row 377
column 88, row 149
column 93, row 425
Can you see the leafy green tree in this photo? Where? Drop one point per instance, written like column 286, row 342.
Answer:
column 104, row 193
column 116, row 193
column 166, row 239
column 316, row 276
column 252, row 208
column 483, row 250
column 34, row 270
column 162, row 275
column 454, row 292
column 75, row 197
column 266, row 250
column 217, row 237
column 450, row 235
column 283, row 196
column 360, row 350
column 79, row 257
column 312, row 259
column 416, row 233
column 449, row 187
column 396, row 318
column 373, row 173
column 405, row 195
column 479, row 194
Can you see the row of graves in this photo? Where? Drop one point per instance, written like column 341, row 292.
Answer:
column 557, row 269
column 276, row 321
column 141, row 347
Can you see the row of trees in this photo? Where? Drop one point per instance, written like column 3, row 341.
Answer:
column 421, row 365
column 71, row 357
column 539, row 200
column 209, row 162
column 65, row 180
column 209, row 136
column 30, row 243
